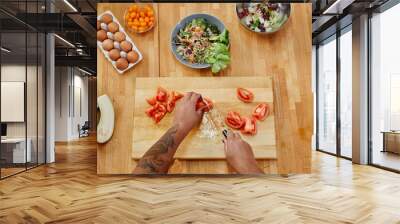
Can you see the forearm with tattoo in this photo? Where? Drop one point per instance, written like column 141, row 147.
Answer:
column 159, row 157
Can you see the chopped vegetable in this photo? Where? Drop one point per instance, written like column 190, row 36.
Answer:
column 261, row 111
column 234, row 120
column 162, row 103
column 245, row 95
column 204, row 103
column 250, row 126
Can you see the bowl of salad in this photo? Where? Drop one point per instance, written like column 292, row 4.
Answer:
column 201, row 41
column 264, row 18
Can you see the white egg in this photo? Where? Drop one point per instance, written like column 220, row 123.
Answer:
column 110, row 35
column 116, row 45
column 123, row 54
column 104, row 26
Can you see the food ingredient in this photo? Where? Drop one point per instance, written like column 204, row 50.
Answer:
column 101, row 35
column 126, row 46
column 119, row 36
column 201, row 42
column 262, row 17
column 140, row 18
column 205, row 104
column 234, row 120
column 113, row 27
column 114, row 54
column 98, row 25
column 261, row 111
column 121, row 64
column 162, row 103
column 132, row 56
column 105, row 127
column 108, row 44
column 244, row 95
column 107, row 18
column 250, row 126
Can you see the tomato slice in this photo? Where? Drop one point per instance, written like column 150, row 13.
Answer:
column 234, row 120
column 261, row 111
column 249, row 127
column 176, row 96
column 158, row 116
column 152, row 101
column 201, row 103
column 162, row 94
column 151, row 111
column 245, row 95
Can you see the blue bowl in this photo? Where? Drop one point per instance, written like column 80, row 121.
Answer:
column 211, row 19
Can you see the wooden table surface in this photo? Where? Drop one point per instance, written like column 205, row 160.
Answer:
column 285, row 55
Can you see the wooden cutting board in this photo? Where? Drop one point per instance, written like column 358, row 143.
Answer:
column 222, row 90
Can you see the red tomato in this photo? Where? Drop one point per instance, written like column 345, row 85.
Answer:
column 152, row 101
column 158, row 116
column 234, row 120
column 176, row 96
column 261, row 111
column 249, row 127
column 245, row 95
column 151, row 111
column 161, row 107
column 162, row 94
column 201, row 104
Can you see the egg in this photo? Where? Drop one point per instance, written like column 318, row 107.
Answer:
column 104, row 26
column 110, row 35
column 113, row 27
column 98, row 25
column 107, row 18
column 108, row 44
column 114, row 54
column 122, row 64
column 132, row 56
column 117, row 45
column 101, row 35
column 123, row 54
column 126, row 46
column 119, row 36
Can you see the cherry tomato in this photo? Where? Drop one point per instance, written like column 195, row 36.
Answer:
column 162, row 94
column 234, row 120
column 249, row 127
column 201, row 103
column 152, row 101
column 245, row 95
column 261, row 111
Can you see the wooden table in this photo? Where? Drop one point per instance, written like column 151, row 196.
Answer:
column 285, row 55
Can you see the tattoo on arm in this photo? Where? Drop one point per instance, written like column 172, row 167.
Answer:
column 160, row 156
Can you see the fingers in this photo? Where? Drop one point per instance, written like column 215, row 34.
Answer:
column 201, row 109
column 230, row 135
column 195, row 97
column 187, row 96
column 225, row 145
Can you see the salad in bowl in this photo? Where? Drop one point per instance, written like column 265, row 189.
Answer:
column 201, row 41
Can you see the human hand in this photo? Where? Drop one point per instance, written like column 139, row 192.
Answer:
column 240, row 155
column 186, row 115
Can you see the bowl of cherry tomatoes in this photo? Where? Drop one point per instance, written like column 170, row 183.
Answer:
column 139, row 18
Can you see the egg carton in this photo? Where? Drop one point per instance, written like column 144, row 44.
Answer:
column 121, row 29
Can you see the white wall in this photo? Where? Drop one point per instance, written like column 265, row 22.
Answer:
column 69, row 82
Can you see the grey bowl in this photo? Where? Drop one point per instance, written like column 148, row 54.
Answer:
column 211, row 19
column 283, row 7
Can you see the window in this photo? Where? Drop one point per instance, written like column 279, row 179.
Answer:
column 346, row 94
column 326, row 136
column 385, row 89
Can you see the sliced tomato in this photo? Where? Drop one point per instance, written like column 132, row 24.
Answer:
column 234, row 120
column 249, row 127
column 161, row 107
column 245, row 95
column 261, row 111
column 162, row 94
column 152, row 101
column 204, row 103
column 176, row 96
column 151, row 111
column 158, row 116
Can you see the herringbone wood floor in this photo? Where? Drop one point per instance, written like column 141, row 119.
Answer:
column 69, row 191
